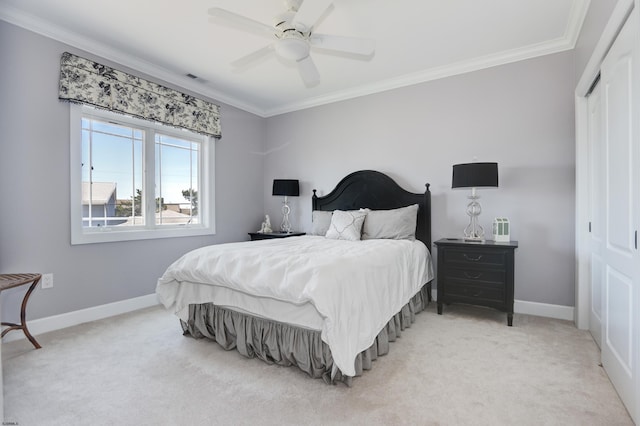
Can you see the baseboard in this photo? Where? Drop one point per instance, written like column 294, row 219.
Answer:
column 57, row 322
column 69, row 319
column 543, row 310
column 538, row 309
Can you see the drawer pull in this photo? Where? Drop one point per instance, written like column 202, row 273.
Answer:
column 473, row 259
column 473, row 276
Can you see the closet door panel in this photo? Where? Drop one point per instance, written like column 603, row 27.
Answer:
column 621, row 130
column 619, row 144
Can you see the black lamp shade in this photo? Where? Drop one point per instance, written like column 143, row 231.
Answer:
column 473, row 175
column 289, row 187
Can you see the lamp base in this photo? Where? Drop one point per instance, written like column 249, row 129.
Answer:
column 473, row 231
column 285, row 227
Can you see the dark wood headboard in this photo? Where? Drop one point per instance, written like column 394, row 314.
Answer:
column 377, row 191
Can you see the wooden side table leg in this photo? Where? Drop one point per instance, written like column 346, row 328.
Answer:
column 23, row 314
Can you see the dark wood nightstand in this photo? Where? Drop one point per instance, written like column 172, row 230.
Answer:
column 270, row 235
column 477, row 273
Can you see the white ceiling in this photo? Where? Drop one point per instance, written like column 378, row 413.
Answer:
column 416, row 41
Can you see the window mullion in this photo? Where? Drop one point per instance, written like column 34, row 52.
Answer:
column 205, row 208
column 190, row 182
column 90, row 173
column 149, row 192
column 133, row 174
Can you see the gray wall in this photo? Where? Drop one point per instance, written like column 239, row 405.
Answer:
column 520, row 115
column 34, row 190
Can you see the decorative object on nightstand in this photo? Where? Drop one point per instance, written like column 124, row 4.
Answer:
column 476, row 273
column 266, row 226
column 288, row 188
column 501, row 229
column 474, row 175
column 255, row 236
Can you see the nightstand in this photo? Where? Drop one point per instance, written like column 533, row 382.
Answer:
column 270, row 235
column 476, row 273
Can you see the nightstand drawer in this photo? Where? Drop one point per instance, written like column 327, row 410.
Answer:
column 476, row 275
column 466, row 257
column 475, row 293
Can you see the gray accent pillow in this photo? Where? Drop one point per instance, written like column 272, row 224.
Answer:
column 320, row 222
column 346, row 225
column 395, row 224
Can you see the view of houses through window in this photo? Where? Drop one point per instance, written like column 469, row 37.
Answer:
column 115, row 190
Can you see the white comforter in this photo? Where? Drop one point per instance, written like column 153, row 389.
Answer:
column 356, row 286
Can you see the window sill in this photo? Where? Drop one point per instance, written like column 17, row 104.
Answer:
column 110, row 235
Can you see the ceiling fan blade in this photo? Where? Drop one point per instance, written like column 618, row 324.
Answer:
column 229, row 18
column 251, row 58
column 356, row 45
column 308, row 71
column 309, row 13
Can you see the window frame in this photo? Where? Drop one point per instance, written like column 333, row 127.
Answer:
column 151, row 230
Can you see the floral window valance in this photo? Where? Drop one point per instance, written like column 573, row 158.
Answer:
column 87, row 82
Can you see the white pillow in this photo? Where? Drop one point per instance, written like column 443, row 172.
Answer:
column 395, row 224
column 346, row 225
column 321, row 221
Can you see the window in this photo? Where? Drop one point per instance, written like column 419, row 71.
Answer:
column 133, row 179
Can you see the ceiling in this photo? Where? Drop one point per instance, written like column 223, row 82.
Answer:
column 416, row 41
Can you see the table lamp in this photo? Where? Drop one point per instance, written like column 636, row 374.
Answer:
column 474, row 175
column 288, row 188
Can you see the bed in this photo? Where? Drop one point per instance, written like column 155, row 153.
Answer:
column 330, row 304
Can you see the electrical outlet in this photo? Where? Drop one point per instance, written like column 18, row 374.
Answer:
column 47, row 280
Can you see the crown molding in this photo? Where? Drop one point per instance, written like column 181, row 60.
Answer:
column 436, row 73
column 577, row 15
column 44, row 28
column 579, row 9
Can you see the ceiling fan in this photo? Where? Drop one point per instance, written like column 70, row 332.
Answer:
column 295, row 37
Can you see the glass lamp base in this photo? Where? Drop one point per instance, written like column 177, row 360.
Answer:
column 474, row 231
column 286, row 225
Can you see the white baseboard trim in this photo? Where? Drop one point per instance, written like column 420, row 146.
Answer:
column 543, row 310
column 538, row 309
column 57, row 322
column 69, row 319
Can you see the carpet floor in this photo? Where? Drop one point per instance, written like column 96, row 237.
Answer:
column 465, row 367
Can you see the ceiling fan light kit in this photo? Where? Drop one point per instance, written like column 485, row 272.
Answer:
column 292, row 46
column 294, row 35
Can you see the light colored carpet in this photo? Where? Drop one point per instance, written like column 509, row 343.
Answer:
column 465, row 367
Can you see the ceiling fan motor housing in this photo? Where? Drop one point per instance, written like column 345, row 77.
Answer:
column 292, row 43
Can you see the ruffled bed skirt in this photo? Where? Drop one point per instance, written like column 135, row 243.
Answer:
column 286, row 345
